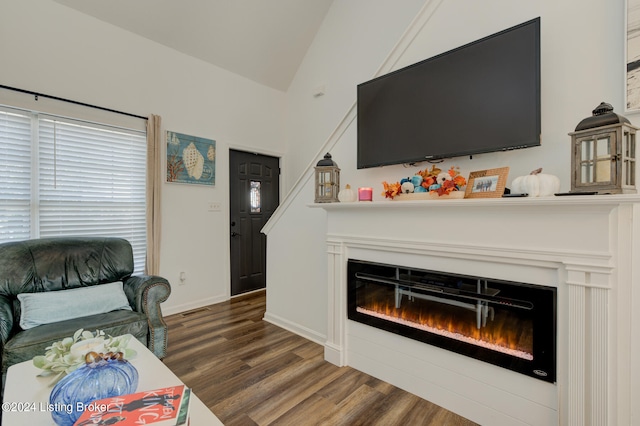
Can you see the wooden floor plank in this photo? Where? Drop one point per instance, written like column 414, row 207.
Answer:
column 293, row 392
column 251, row 372
column 394, row 408
column 355, row 409
column 299, row 415
column 257, row 392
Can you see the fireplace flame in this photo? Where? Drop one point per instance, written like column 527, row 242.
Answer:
column 502, row 340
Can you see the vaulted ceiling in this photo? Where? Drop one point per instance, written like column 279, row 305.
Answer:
column 262, row 40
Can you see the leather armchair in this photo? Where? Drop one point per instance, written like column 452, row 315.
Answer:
column 58, row 264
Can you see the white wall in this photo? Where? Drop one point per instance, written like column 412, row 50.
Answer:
column 49, row 48
column 582, row 48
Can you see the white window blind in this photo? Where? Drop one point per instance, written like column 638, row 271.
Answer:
column 89, row 181
column 15, row 176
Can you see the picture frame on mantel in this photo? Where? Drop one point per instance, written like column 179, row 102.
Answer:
column 632, row 66
column 488, row 183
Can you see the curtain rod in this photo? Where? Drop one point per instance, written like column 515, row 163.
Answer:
column 36, row 94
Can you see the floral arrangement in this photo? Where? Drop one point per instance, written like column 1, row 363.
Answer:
column 67, row 355
column 391, row 189
column 432, row 180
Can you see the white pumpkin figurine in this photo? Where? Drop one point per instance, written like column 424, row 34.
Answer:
column 536, row 184
column 407, row 187
column 347, row 195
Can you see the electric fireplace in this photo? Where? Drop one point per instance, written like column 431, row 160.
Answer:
column 509, row 324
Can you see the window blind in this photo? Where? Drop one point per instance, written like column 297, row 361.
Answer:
column 88, row 180
column 15, row 176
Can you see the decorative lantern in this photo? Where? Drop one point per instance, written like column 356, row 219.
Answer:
column 327, row 180
column 603, row 153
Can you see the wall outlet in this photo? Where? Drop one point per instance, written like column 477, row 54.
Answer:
column 183, row 278
column 215, row 206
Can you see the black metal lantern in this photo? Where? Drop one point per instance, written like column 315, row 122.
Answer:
column 327, row 180
column 603, row 153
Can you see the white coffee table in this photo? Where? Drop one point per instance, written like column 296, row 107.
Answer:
column 29, row 394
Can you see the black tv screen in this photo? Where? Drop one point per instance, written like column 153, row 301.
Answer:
column 481, row 97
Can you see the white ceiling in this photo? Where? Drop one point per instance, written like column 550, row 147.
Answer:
column 263, row 40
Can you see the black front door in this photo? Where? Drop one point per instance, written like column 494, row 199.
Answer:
column 254, row 195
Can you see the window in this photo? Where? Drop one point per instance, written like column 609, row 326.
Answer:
column 255, row 196
column 60, row 177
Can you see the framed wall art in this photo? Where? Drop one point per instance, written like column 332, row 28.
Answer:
column 633, row 55
column 487, row 183
column 190, row 159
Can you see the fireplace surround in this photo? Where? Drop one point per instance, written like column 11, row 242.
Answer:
column 583, row 247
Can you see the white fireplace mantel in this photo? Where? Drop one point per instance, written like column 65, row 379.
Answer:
column 583, row 245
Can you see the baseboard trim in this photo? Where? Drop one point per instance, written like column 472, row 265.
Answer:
column 335, row 355
column 178, row 309
column 300, row 330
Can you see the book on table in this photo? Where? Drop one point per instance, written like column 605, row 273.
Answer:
column 158, row 407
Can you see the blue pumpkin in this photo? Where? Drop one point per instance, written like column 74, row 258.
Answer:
column 101, row 377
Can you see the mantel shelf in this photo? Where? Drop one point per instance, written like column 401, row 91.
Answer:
column 572, row 200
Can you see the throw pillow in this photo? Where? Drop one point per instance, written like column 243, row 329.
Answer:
column 54, row 306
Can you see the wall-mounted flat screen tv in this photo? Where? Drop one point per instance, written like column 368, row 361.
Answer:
column 481, row 97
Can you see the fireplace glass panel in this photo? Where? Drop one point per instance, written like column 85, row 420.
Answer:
column 501, row 322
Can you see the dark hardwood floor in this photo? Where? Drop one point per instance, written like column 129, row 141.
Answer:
column 251, row 372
